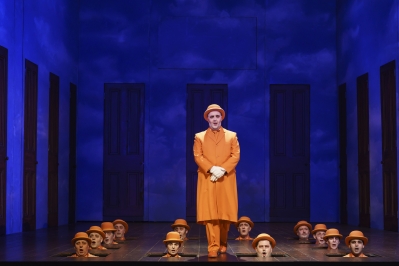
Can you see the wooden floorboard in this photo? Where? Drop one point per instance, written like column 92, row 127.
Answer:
column 145, row 244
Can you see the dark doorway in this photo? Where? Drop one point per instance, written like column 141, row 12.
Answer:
column 72, row 153
column 389, row 147
column 363, row 149
column 3, row 136
column 199, row 97
column 30, row 146
column 53, row 150
column 343, row 166
column 289, row 152
column 124, row 151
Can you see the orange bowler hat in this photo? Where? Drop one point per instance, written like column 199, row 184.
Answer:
column 96, row 229
column 332, row 232
column 214, row 107
column 300, row 223
column 181, row 222
column 356, row 235
column 244, row 219
column 119, row 221
column 263, row 236
column 81, row 236
column 173, row 236
column 319, row 227
column 107, row 226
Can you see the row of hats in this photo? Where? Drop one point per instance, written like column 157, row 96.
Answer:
column 183, row 223
column 105, row 227
column 174, row 236
column 356, row 234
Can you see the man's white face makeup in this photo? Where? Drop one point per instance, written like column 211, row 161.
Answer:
column 173, row 247
column 333, row 242
column 319, row 237
column 244, row 229
column 356, row 246
column 303, row 232
column 81, row 248
column 96, row 240
column 182, row 231
column 109, row 237
column 264, row 249
column 120, row 230
column 215, row 120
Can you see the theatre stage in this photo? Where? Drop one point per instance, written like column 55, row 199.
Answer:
column 145, row 244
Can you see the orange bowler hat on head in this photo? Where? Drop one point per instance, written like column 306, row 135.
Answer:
column 263, row 236
column 300, row 223
column 181, row 222
column 119, row 221
column 96, row 229
column 356, row 235
column 214, row 107
column 332, row 232
column 244, row 219
column 173, row 236
column 107, row 226
column 319, row 227
column 81, row 236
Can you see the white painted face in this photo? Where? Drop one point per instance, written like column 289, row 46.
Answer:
column 173, row 247
column 120, row 230
column 81, row 248
column 109, row 237
column 182, row 231
column 215, row 120
column 303, row 232
column 333, row 242
column 264, row 249
column 244, row 228
column 319, row 237
column 356, row 246
column 96, row 240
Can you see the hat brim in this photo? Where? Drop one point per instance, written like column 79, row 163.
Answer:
column 308, row 225
column 349, row 238
column 318, row 230
column 214, row 109
column 80, row 238
column 246, row 221
column 173, row 240
column 123, row 223
column 183, row 225
column 256, row 240
column 95, row 231
column 328, row 236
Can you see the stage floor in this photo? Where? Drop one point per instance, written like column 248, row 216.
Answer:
column 145, row 244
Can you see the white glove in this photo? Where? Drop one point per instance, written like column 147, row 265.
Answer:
column 217, row 171
column 213, row 178
column 220, row 173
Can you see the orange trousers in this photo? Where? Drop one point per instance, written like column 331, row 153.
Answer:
column 216, row 233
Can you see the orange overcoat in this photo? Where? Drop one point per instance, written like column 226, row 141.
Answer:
column 216, row 200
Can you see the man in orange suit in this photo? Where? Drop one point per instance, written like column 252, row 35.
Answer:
column 216, row 152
